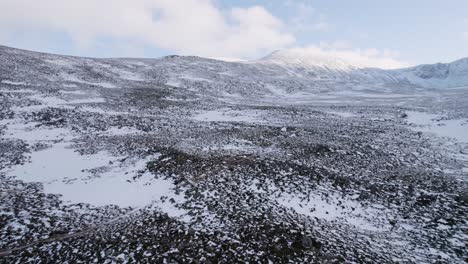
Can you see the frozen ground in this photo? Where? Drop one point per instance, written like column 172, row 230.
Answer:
column 169, row 161
column 440, row 126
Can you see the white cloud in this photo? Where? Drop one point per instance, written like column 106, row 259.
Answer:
column 184, row 26
column 306, row 18
column 384, row 59
column 187, row 27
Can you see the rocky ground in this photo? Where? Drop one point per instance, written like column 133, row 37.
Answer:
column 156, row 174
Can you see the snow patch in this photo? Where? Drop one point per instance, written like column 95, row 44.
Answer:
column 72, row 78
column 116, row 131
column 61, row 62
column 332, row 208
column 126, row 75
column 90, row 179
column 13, row 82
column 431, row 123
column 17, row 91
column 76, row 92
column 342, row 114
column 227, row 115
column 98, row 179
column 174, row 83
column 30, row 133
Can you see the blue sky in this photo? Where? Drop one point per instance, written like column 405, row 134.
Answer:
column 410, row 32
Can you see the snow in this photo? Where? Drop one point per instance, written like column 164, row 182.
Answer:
column 114, row 131
column 72, row 78
column 52, row 101
column 367, row 139
column 332, row 208
column 50, row 165
column 432, row 123
column 76, row 92
column 16, row 91
column 12, row 82
column 234, row 145
column 101, row 111
column 31, row 134
column 127, row 75
column 174, row 83
column 197, row 79
column 227, row 115
column 302, row 58
column 105, row 85
column 338, row 67
column 342, row 114
column 86, row 101
column 63, row 62
column 77, row 183
column 439, row 75
column 98, row 179
column 69, row 86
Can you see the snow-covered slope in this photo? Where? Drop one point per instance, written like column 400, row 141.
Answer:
column 280, row 73
column 327, row 66
column 307, row 60
column 194, row 160
column 324, row 69
column 437, row 75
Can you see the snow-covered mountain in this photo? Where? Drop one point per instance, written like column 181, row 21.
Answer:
column 293, row 158
column 306, row 60
column 326, row 65
column 280, row 73
column 439, row 75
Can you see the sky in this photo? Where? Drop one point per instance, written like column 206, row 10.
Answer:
column 389, row 34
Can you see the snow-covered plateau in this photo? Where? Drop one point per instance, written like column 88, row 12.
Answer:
column 291, row 158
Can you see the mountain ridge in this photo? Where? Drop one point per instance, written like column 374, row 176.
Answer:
column 278, row 73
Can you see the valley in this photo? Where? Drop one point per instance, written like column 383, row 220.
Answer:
column 193, row 160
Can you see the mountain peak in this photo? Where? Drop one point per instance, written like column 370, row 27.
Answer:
column 307, row 58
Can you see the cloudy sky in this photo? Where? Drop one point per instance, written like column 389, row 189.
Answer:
column 389, row 33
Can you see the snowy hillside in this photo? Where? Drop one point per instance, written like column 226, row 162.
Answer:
column 279, row 74
column 324, row 65
column 287, row 159
column 440, row 75
column 311, row 61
